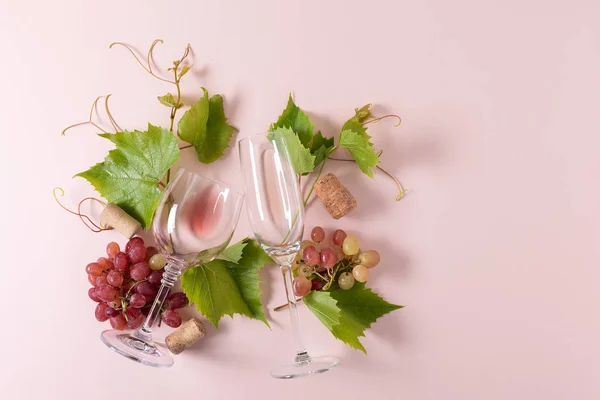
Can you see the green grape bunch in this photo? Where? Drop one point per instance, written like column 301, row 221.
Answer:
column 318, row 266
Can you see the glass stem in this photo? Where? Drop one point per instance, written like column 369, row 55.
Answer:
column 171, row 275
column 301, row 353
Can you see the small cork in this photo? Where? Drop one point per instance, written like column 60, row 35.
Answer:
column 185, row 336
column 336, row 198
column 115, row 217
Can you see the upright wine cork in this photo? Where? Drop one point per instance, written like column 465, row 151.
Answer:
column 185, row 336
column 338, row 200
column 115, row 217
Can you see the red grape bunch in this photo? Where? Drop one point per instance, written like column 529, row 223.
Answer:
column 317, row 265
column 125, row 283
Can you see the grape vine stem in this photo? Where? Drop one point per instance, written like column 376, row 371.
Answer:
column 401, row 190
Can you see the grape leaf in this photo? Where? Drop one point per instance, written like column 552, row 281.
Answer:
column 205, row 126
column 324, row 307
column 220, row 287
column 300, row 157
column 169, row 101
column 355, row 123
column 361, row 149
column 233, row 253
column 356, row 309
column 320, row 146
column 184, row 70
column 297, row 120
column 129, row 174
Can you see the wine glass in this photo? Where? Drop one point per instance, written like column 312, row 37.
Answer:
column 193, row 223
column 276, row 213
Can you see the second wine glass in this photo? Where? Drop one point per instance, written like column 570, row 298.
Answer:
column 276, row 212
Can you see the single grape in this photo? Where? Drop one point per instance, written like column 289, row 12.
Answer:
column 155, row 277
column 140, row 271
column 122, row 261
column 94, row 269
column 360, row 273
column 133, row 312
column 112, row 249
column 150, row 251
column 338, row 237
column 106, row 263
column 114, row 278
column 92, row 279
column 369, row 258
column 111, row 312
column 106, row 292
column 311, row 256
column 177, row 300
column 102, row 279
column 351, row 245
column 134, row 242
column 119, row 322
column 137, row 253
column 305, row 244
column 92, row 294
column 135, row 322
column 346, row 280
column 147, row 289
column 302, row 285
column 328, row 258
column 317, row 284
column 171, row 318
column 305, row 270
column 317, row 234
column 100, row 312
column 137, row 301
column 157, row 262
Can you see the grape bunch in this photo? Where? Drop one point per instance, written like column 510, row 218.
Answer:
column 125, row 283
column 318, row 265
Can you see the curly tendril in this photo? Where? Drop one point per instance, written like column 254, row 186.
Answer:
column 148, row 66
column 92, row 225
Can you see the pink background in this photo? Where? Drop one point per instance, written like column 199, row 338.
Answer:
column 494, row 252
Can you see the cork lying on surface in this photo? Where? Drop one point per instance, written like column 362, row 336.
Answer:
column 336, row 198
column 115, row 217
column 185, row 336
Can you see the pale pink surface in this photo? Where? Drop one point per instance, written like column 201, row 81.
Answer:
column 495, row 251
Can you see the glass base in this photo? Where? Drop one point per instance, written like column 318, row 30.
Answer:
column 145, row 352
column 312, row 366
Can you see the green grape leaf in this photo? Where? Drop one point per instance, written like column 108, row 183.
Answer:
column 364, row 113
column 320, row 146
column 220, row 287
column 361, row 149
column 184, row 70
column 167, row 100
column 324, row 307
column 356, row 309
column 355, row 123
column 205, row 126
column 297, row 120
column 245, row 274
column 233, row 253
column 300, row 157
column 129, row 175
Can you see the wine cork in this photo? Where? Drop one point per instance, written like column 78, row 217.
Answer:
column 336, row 198
column 185, row 336
column 115, row 217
